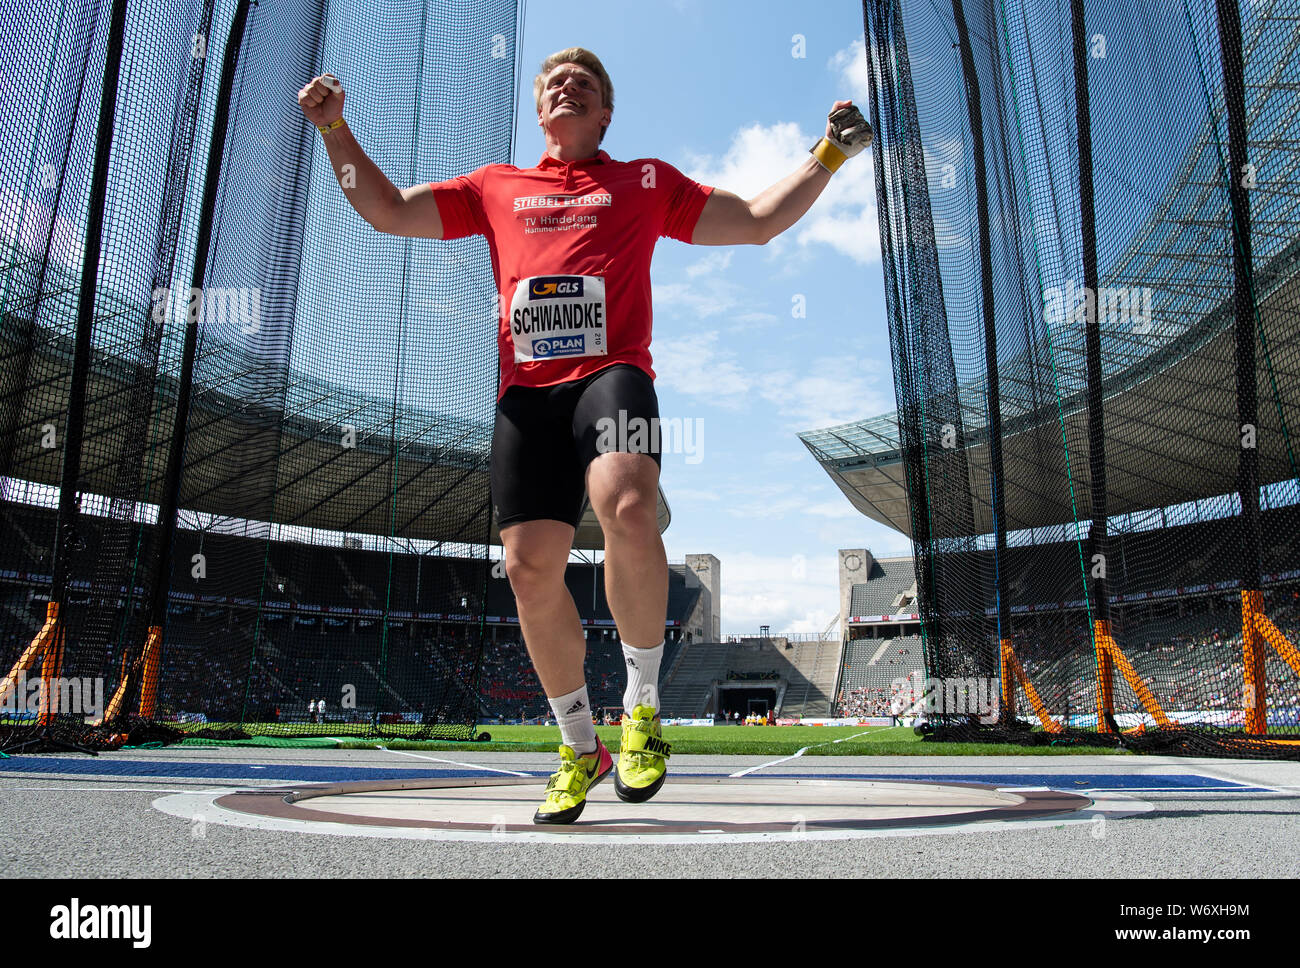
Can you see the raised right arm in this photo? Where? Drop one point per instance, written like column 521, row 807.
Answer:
column 411, row 212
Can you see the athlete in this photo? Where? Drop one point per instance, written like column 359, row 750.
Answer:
column 571, row 240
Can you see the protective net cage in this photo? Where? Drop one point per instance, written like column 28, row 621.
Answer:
column 1091, row 249
column 243, row 435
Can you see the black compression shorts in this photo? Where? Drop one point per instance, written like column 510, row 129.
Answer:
column 545, row 437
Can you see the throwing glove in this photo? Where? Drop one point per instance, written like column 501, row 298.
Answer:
column 851, row 133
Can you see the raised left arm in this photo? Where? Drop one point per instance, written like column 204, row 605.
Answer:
column 728, row 219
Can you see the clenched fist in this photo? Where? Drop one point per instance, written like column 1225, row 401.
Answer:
column 322, row 100
column 847, row 134
column 848, row 129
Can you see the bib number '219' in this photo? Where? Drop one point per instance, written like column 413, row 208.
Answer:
column 558, row 316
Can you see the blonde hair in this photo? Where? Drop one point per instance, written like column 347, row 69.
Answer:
column 585, row 58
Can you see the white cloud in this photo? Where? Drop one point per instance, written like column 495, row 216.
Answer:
column 776, row 507
column 881, row 540
column 684, row 494
column 777, row 501
column 712, row 263
column 833, row 390
column 843, row 218
column 759, row 156
column 752, row 322
column 694, row 365
column 833, row 509
column 849, row 229
column 794, row 593
column 713, row 298
column 850, row 64
column 705, row 291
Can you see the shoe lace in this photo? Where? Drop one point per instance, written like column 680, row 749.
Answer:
column 555, row 789
column 558, row 785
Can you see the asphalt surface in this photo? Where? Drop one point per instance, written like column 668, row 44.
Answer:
column 64, row 817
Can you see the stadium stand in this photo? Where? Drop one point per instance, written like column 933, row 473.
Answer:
column 1162, row 606
column 324, row 632
column 817, row 663
column 886, row 589
column 799, row 676
column 687, row 689
column 871, row 669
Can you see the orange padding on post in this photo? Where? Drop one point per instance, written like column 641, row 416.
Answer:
column 33, row 651
column 114, row 707
column 147, row 669
column 1007, row 681
column 151, row 660
column 1107, row 643
column 1105, row 673
column 51, row 669
column 1009, row 658
column 1280, row 643
column 1254, row 694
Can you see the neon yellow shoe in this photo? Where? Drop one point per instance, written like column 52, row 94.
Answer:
column 566, row 793
column 643, row 757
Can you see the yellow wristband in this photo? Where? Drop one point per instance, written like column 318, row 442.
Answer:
column 326, row 129
column 829, row 155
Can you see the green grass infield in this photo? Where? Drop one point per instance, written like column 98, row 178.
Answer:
column 698, row 740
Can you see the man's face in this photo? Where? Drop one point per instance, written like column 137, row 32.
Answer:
column 572, row 102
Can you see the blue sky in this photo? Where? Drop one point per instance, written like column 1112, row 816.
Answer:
column 717, row 90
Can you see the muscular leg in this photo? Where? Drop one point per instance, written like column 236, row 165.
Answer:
column 624, row 491
column 536, row 553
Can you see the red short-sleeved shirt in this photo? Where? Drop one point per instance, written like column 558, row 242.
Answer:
column 571, row 246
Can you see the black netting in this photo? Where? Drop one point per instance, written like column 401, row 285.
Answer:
column 332, row 522
column 1090, row 242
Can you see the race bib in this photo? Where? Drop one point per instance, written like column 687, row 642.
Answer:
column 558, row 316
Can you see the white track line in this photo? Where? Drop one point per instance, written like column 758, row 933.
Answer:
column 1271, row 787
column 96, row 790
column 786, row 759
column 468, row 766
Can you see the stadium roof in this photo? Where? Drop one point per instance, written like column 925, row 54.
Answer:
column 1161, row 387
column 442, row 458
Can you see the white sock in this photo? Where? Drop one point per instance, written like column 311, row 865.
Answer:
column 642, row 676
column 573, row 713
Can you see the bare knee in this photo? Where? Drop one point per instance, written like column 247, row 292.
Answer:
column 625, row 495
column 533, row 577
column 631, row 512
column 536, row 553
